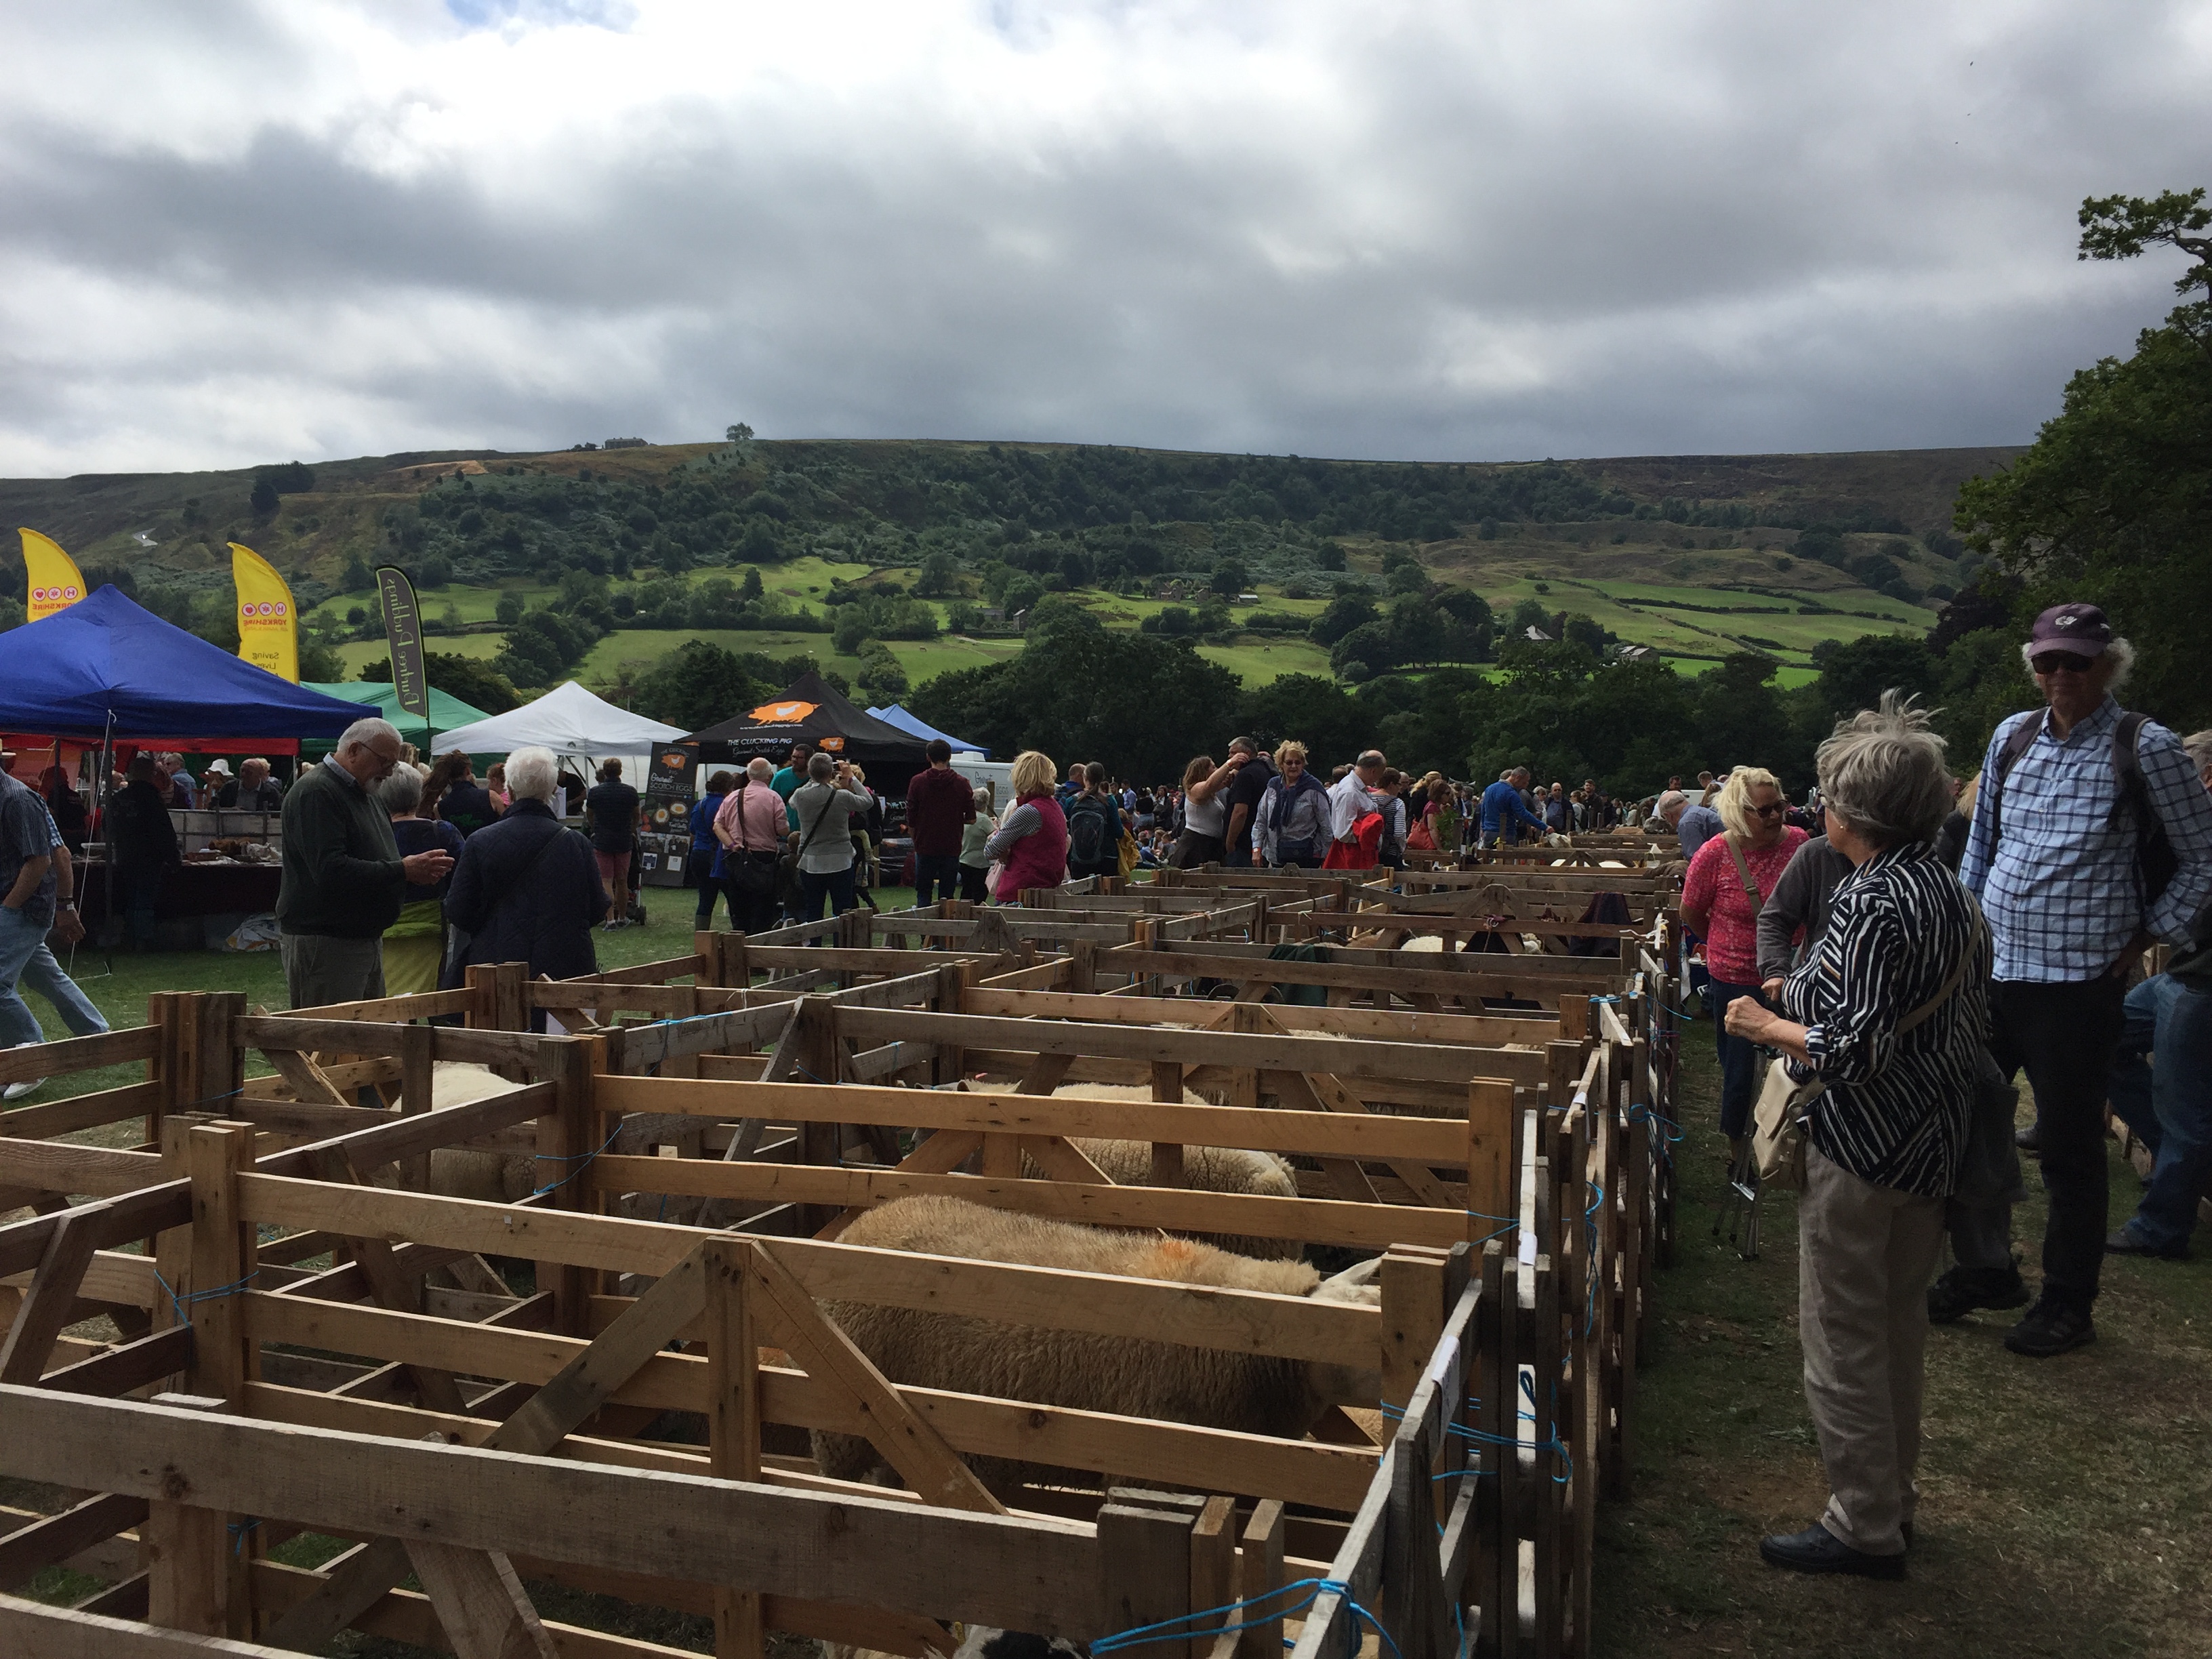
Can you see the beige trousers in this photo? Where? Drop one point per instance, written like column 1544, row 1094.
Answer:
column 1865, row 1255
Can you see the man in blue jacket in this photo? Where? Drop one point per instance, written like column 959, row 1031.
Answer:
column 1502, row 805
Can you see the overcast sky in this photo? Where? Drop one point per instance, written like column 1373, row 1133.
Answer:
column 233, row 233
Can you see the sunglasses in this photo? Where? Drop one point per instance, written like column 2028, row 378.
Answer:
column 2052, row 662
column 1773, row 812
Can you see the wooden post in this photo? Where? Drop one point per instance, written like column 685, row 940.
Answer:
column 223, row 1261
column 1213, row 1569
column 1544, row 1364
column 161, row 1013
column 564, row 1143
column 733, row 1420
column 814, row 1048
column 1489, row 1118
column 1144, row 1564
column 417, row 1057
column 1413, row 1313
column 224, row 1360
column 220, row 1058
column 186, row 1553
column 1260, row 1570
column 482, row 980
column 1493, row 1581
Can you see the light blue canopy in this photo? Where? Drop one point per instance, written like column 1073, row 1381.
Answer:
column 896, row 715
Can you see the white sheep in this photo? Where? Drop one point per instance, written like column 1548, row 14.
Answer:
column 1251, row 1394
column 1205, row 1168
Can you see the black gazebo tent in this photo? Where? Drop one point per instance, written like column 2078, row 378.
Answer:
column 811, row 710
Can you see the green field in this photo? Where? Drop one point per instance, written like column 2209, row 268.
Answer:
column 1259, row 664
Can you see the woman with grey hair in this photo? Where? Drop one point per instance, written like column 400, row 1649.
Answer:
column 415, row 946
column 975, row 861
column 1889, row 1015
column 829, row 805
column 528, row 889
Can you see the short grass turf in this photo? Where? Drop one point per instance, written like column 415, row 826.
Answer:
column 2066, row 1505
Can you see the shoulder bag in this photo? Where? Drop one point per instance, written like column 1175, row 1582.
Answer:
column 753, row 877
column 787, row 867
column 1777, row 1134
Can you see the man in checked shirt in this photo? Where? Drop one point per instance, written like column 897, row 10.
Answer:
column 2053, row 854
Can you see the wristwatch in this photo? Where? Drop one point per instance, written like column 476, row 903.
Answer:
column 64, row 904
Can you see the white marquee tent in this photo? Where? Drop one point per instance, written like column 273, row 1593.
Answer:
column 571, row 722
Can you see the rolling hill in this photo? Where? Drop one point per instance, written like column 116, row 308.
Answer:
column 644, row 547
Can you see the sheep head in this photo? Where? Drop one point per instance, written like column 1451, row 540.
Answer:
column 1328, row 1383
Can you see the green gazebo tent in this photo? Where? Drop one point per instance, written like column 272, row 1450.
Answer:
column 446, row 713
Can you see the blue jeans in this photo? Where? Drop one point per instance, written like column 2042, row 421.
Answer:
column 2169, row 1106
column 42, row 974
column 1739, row 1057
column 936, row 876
column 20, row 938
column 835, row 885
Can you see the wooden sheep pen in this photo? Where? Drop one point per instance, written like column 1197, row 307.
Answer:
column 1553, row 1153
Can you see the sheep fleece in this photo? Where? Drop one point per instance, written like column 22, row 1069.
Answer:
column 1252, row 1393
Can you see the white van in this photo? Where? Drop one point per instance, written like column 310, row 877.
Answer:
column 997, row 776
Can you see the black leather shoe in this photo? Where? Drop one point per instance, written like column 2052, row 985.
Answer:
column 2030, row 1139
column 1818, row 1550
column 2048, row 1329
column 1959, row 1291
column 2125, row 1243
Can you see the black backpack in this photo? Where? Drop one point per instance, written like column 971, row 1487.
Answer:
column 2155, row 862
column 1094, row 830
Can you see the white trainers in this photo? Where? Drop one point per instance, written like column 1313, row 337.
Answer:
column 17, row 1090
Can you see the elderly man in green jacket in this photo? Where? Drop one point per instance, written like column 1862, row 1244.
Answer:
column 344, row 877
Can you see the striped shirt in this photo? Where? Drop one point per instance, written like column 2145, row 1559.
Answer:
column 1896, row 1107
column 2060, row 888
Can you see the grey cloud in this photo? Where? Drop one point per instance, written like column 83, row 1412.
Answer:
column 1768, row 228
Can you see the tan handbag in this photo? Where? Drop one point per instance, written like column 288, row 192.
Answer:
column 1777, row 1131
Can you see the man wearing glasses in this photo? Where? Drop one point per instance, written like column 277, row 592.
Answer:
column 2073, row 886
column 344, row 877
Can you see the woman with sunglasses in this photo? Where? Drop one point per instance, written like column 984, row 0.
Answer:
column 1729, row 883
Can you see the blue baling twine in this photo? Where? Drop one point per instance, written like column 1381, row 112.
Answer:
column 238, row 1529
column 181, row 1303
column 1506, row 1443
column 581, row 1160
column 1183, row 1627
column 1511, row 1223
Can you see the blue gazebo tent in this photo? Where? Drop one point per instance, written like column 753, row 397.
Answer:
column 915, row 726
column 105, row 669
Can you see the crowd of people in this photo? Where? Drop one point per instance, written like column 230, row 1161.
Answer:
column 1881, row 961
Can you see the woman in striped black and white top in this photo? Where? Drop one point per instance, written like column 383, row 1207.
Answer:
column 1887, row 1131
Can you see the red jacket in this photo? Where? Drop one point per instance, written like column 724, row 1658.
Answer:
column 940, row 805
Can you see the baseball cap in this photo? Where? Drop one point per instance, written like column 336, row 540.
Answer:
column 2081, row 628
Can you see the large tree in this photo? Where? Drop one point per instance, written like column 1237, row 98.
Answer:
column 2113, row 502
column 1142, row 704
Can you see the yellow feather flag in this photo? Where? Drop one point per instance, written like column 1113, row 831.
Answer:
column 268, row 635
column 55, row 583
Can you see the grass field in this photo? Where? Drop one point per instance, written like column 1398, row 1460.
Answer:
column 2066, row 1508
column 1593, row 578
column 1261, row 663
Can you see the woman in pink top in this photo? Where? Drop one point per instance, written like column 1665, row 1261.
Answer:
column 750, row 827
column 1756, row 846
